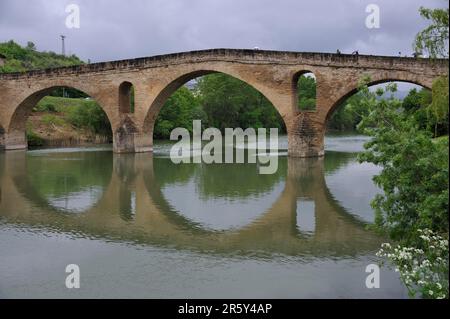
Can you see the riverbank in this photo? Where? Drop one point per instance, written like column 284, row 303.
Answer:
column 62, row 122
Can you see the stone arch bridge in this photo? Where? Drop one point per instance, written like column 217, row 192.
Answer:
column 154, row 79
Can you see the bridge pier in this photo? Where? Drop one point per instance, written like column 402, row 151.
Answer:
column 305, row 136
column 128, row 139
column 132, row 142
column 15, row 140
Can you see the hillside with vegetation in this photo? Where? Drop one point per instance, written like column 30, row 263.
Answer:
column 61, row 121
column 19, row 59
column 66, row 117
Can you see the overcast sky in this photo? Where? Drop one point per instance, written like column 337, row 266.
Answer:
column 112, row 29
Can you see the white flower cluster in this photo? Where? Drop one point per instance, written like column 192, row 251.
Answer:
column 421, row 270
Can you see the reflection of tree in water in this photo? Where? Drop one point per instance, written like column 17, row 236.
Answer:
column 167, row 173
column 220, row 180
column 149, row 219
column 70, row 182
column 69, row 172
column 335, row 160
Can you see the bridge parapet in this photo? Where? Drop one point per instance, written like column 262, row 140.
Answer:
column 243, row 56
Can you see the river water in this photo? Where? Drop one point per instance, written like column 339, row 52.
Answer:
column 138, row 225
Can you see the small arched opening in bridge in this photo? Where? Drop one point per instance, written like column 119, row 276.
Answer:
column 347, row 112
column 126, row 97
column 58, row 116
column 304, row 91
column 217, row 99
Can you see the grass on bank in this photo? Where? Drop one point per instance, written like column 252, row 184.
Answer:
column 58, row 118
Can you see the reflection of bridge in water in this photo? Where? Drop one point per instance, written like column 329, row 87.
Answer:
column 154, row 221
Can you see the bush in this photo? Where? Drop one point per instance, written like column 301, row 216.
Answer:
column 19, row 59
column 33, row 139
column 45, row 106
column 91, row 116
column 50, row 119
column 414, row 176
column 423, row 270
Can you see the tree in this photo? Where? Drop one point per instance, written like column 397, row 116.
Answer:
column 416, row 100
column 68, row 92
column 413, row 208
column 30, row 46
column 230, row 102
column 438, row 108
column 19, row 59
column 179, row 111
column 348, row 114
column 414, row 176
column 306, row 90
column 434, row 38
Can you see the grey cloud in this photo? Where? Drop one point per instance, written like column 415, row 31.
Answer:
column 124, row 29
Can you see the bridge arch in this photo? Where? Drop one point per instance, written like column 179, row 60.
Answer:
column 20, row 166
column 16, row 128
column 352, row 89
column 175, row 83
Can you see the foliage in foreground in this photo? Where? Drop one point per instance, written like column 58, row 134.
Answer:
column 434, row 38
column 423, row 270
column 438, row 108
column 430, row 108
column 414, row 176
column 413, row 208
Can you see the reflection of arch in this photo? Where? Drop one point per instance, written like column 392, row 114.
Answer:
column 154, row 223
column 172, row 85
column 126, row 172
column 18, row 165
column 154, row 180
column 17, row 124
column 353, row 89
